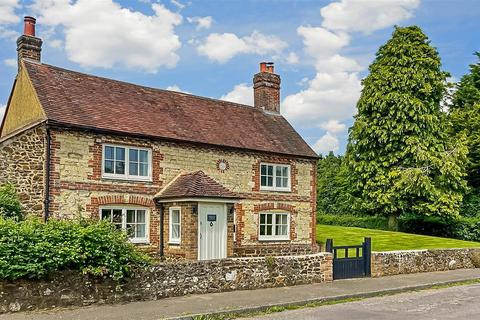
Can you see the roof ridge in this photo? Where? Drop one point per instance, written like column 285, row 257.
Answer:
column 234, row 104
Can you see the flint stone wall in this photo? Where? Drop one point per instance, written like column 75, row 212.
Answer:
column 166, row 279
column 414, row 261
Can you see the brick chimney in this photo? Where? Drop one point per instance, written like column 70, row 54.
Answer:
column 266, row 88
column 29, row 46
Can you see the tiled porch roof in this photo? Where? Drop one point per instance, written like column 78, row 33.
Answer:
column 195, row 185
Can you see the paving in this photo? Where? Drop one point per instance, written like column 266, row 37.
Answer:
column 259, row 299
column 462, row 302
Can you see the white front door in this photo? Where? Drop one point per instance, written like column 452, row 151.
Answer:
column 212, row 231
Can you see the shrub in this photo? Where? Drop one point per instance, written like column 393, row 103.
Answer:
column 369, row 222
column 33, row 249
column 10, row 206
column 471, row 205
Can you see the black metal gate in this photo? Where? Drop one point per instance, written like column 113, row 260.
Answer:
column 351, row 261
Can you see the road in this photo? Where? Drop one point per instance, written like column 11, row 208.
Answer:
column 462, row 302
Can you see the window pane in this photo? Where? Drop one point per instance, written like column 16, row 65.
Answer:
column 108, row 166
column 269, row 181
column 278, row 219
column 143, row 169
column 278, row 171
column 120, row 167
column 263, row 181
column 140, row 216
column 278, row 181
column 278, row 230
column 262, row 230
column 140, row 231
column 270, row 170
column 133, row 155
column 119, row 153
column 285, row 182
column 284, row 219
column 109, row 153
column 285, row 171
column 175, row 216
column 144, row 156
column 117, row 216
column 106, row 214
column 130, row 216
column 131, row 230
column 175, row 231
column 284, row 231
column 263, row 170
column 262, row 219
column 133, row 169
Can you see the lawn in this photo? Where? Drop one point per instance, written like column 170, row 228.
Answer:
column 387, row 240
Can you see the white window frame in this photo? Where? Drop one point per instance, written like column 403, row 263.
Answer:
column 274, row 187
column 274, row 237
column 124, row 209
column 172, row 240
column 127, row 176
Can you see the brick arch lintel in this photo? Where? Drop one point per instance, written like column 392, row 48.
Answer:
column 125, row 199
column 274, row 206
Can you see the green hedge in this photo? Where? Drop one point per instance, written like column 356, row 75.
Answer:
column 33, row 249
column 461, row 228
column 369, row 222
column 10, row 206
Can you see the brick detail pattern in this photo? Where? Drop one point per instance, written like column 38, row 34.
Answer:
column 266, row 91
column 29, row 47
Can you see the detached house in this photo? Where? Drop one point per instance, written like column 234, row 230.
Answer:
column 184, row 175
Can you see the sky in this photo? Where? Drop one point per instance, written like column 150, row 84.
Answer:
column 321, row 49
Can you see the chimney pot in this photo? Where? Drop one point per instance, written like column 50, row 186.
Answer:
column 29, row 26
column 266, row 88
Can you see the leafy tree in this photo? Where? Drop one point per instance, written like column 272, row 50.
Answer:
column 332, row 185
column 399, row 152
column 10, row 206
column 465, row 116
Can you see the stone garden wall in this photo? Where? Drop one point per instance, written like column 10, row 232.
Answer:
column 166, row 280
column 414, row 261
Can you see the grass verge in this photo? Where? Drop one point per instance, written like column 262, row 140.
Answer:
column 387, row 240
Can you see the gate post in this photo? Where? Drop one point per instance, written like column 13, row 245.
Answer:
column 329, row 245
column 367, row 255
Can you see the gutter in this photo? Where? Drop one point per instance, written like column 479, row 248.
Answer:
column 46, row 200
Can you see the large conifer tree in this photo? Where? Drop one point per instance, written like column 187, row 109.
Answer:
column 399, row 152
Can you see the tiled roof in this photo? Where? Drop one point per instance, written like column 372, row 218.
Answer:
column 81, row 100
column 194, row 185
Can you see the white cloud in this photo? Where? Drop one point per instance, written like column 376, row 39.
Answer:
column 2, row 111
column 7, row 11
column 333, row 126
column 366, row 16
column 202, row 22
column 241, row 93
column 104, row 34
column 175, row 88
column 10, row 62
column 178, row 4
column 292, row 58
column 223, row 47
column 327, row 143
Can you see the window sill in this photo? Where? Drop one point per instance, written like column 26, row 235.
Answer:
column 127, row 180
column 139, row 241
column 274, row 239
column 276, row 190
column 174, row 243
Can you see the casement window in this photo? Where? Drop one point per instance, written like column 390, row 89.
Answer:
column 132, row 220
column 275, row 177
column 175, row 225
column 129, row 163
column 274, row 226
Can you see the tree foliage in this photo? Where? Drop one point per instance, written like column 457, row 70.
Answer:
column 333, row 195
column 400, row 154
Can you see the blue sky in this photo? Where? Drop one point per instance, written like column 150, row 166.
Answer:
column 321, row 49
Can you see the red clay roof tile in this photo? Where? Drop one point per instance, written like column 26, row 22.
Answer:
column 82, row 100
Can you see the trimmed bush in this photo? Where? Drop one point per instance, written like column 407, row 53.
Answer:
column 33, row 249
column 369, row 222
column 10, row 206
